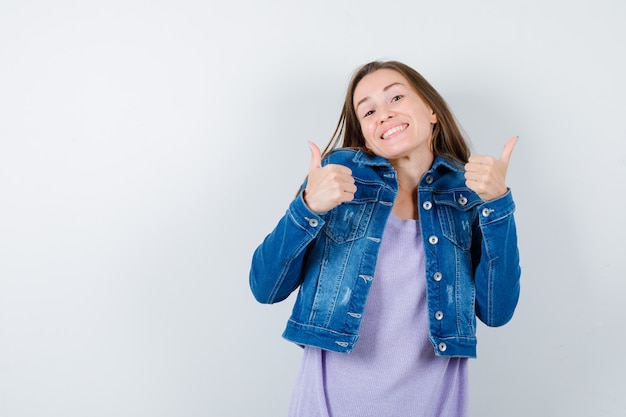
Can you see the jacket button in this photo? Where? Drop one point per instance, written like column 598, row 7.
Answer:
column 433, row 240
column 437, row 276
column 313, row 222
column 439, row 315
column 427, row 205
column 486, row 212
column 429, row 179
column 462, row 200
column 442, row 347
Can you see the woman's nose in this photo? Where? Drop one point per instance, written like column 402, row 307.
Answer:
column 385, row 114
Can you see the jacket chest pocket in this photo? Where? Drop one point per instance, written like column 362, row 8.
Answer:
column 456, row 212
column 349, row 221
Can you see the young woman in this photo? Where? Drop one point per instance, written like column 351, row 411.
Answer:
column 397, row 241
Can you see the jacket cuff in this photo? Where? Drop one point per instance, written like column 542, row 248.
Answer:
column 495, row 210
column 305, row 218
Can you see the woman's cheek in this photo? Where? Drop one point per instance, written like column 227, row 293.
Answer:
column 368, row 134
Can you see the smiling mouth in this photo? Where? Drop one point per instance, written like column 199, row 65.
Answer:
column 393, row 130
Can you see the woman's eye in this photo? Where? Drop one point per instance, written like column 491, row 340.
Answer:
column 397, row 98
column 368, row 113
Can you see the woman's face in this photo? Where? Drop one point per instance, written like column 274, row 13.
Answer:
column 396, row 123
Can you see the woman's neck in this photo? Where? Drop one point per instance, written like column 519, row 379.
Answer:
column 405, row 205
column 409, row 173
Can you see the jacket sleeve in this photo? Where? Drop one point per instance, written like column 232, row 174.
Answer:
column 497, row 272
column 277, row 264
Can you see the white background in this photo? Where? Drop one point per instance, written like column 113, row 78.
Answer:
column 147, row 147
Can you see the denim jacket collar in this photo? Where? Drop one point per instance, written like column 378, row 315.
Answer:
column 364, row 158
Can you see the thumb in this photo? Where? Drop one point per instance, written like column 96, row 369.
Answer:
column 316, row 157
column 508, row 150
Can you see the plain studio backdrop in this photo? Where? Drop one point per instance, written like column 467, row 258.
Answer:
column 147, row 148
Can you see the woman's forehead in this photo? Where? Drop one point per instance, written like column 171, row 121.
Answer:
column 377, row 81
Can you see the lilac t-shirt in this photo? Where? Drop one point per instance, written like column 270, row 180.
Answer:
column 392, row 370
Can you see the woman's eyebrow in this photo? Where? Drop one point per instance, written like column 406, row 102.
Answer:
column 384, row 89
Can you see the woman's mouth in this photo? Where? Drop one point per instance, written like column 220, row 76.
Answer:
column 393, row 130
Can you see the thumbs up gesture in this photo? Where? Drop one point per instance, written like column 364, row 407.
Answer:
column 486, row 175
column 327, row 186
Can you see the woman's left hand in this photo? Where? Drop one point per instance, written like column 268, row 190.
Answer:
column 486, row 175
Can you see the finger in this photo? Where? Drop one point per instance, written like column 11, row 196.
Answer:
column 350, row 189
column 348, row 194
column 343, row 174
column 508, row 149
column 475, row 166
column 316, row 157
column 340, row 171
column 482, row 166
column 472, row 176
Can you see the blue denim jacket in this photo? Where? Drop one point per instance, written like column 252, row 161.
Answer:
column 472, row 261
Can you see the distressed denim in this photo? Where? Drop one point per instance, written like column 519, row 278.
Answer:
column 472, row 260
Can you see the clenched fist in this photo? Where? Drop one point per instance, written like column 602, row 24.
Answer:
column 327, row 186
column 486, row 175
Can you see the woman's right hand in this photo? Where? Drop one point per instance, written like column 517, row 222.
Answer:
column 327, row 186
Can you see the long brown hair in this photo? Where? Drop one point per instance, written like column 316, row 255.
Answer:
column 447, row 141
